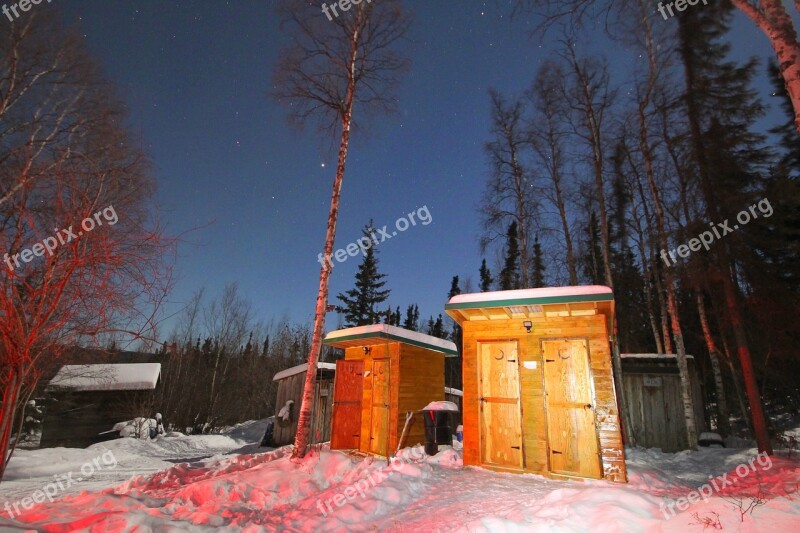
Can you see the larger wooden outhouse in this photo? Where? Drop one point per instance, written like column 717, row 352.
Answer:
column 386, row 372
column 538, row 386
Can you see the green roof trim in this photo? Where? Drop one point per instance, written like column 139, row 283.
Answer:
column 606, row 297
column 389, row 336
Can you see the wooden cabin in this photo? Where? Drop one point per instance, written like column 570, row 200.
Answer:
column 539, row 392
column 290, row 389
column 652, row 389
column 386, row 372
column 86, row 401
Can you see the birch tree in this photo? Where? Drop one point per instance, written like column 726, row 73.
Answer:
column 331, row 65
column 65, row 158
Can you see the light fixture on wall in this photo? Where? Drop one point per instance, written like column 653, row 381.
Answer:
column 367, row 350
column 528, row 325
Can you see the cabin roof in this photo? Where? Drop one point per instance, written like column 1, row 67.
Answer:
column 367, row 335
column 301, row 368
column 106, row 377
column 584, row 300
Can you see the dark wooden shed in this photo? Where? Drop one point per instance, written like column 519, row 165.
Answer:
column 290, row 396
column 87, row 400
column 386, row 372
column 652, row 389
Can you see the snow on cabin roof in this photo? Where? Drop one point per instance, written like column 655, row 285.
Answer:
column 107, row 377
column 651, row 356
column 386, row 331
column 301, row 368
column 546, row 295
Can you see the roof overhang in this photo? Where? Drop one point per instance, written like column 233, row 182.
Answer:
column 530, row 304
column 378, row 333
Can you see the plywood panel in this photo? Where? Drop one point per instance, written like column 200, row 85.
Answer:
column 569, row 405
column 501, row 424
column 379, row 425
column 421, row 381
column 348, row 395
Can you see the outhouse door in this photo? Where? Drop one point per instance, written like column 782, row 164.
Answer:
column 501, row 425
column 379, row 426
column 347, row 396
column 569, row 401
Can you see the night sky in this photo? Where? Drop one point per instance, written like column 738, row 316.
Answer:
column 196, row 76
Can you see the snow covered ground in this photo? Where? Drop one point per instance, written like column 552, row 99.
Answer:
column 240, row 488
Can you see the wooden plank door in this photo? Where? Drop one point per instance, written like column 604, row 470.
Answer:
column 501, row 423
column 347, row 397
column 569, row 404
column 379, row 427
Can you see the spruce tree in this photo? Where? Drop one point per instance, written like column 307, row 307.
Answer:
column 537, row 277
column 453, row 364
column 411, row 321
column 721, row 108
column 509, row 276
column 359, row 303
column 486, row 277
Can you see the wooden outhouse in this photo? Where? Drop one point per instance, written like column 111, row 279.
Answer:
column 538, row 386
column 652, row 389
column 386, row 372
column 290, row 396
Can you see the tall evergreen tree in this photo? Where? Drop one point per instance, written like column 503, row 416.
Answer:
column 509, row 276
column 537, row 269
column 721, row 110
column 411, row 321
column 453, row 364
column 436, row 327
column 486, row 277
column 593, row 258
column 359, row 303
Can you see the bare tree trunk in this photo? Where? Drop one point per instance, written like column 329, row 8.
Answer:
column 12, row 383
column 748, row 373
column 304, row 418
column 771, row 18
column 723, row 414
column 647, row 159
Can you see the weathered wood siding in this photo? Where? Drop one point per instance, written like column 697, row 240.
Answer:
column 291, row 388
column 77, row 419
column 421, row 382
column 530, row 360
column 653, row 391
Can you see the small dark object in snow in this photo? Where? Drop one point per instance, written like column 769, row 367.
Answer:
column 438, row 429
column 267, row 439
column 709, row 439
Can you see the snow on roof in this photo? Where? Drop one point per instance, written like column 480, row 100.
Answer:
column 301, row 368
column 392, row 332
column 99, row 377
column 454, row 392
column 651, row 356
column 583, row 293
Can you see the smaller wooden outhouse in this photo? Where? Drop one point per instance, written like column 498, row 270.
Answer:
column 538, row 386
column 290, row 396
column 653, row 394
column 386, row 372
